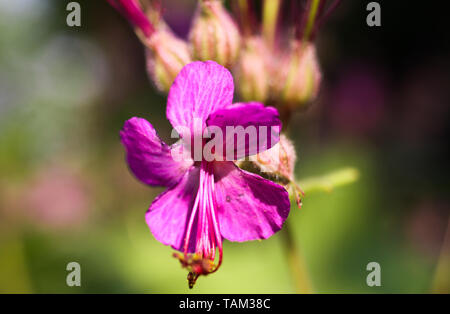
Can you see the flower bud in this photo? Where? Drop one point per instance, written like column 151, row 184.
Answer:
column 166, row 55
column 276, row 164
column 214, row 35
column 298, row 78
column 278, row 160
column 252, row 74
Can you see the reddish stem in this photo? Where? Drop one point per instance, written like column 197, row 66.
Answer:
column 324, row 17
column 132, row 11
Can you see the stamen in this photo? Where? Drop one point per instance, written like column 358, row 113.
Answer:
column 215, row 223
column 191, row 222
column 208, row 237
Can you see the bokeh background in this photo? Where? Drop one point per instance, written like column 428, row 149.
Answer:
column 66, row 193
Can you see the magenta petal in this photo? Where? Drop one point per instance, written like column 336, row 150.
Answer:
column 249, row 207
column 169, row 213
column 264, row 122
column 199, row 89
column 149, row 158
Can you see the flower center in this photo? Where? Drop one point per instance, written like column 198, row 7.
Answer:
column 207, row 236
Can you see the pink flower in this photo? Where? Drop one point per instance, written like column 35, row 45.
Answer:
column 206, row 201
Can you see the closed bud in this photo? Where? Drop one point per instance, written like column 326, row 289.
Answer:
column 298, row 78
column 166, row 55
column 252, row 74
column 214, row 35
column 276, row 163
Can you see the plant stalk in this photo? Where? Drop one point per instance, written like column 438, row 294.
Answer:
column 270, row 19
column 296, row 263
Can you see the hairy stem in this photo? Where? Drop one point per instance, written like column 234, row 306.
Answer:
column 295, row 261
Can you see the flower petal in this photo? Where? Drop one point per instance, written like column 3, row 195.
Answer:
column 149, row 158
column 261, row 127
column 249, row 206
column 169, row 213
column 199, row 89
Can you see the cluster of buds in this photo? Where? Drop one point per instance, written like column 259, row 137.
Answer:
column 282, row 68
column 271, row 66
column 213, row 36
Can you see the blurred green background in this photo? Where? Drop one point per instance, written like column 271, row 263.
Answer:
column 66, row 193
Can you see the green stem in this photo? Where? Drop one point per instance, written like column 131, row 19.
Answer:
column 13, row 268
column 295, row 261
column 329, row 181
column 270, row 18
column 441, row 281
column 311, row 19
column 294, row 257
